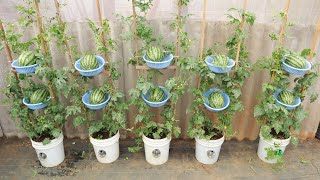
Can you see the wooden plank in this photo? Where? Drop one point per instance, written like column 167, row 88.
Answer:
column 147, row 67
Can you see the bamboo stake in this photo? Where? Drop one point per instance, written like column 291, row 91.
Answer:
column 64, row 35
column 135, row 32
column 281, row 35
column 102, row 33
column 315, row 40
column 8, row 50
column 44, row 48
column 178, row 28
column 202, row 34
column 241, row 27
column 314, row 43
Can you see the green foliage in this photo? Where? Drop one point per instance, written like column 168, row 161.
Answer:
column 166, row 124
column 275, row 117
column 231, row 84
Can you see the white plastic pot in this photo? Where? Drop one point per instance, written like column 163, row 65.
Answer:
column 156, row 150
column 51, row 154
column 207, row 151
column 106, row 150
column 276, row 144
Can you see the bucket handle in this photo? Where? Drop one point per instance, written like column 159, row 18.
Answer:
column 156, row 153
column 211, row 154
column 102, row 153
column 42, row 156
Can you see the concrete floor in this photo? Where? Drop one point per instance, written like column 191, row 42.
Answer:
column 238, row 160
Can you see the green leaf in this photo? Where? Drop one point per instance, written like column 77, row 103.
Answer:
column 258, row 111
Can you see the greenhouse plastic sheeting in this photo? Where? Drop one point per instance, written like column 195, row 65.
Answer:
column 303, row 13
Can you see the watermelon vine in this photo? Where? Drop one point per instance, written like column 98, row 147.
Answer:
column 277, row 121
column 146, row 122
column 41, row 126
column 113, row 116
column 201, row 125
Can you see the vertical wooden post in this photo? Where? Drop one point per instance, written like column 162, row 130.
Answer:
column 202, row 34
column 44, row 47
column 241, row 27
column 315, row 40
column 8, row 50
column 281, row 35
column 178, row 28
column 64, row 35
column 284, row 23
column 135, row 32
column 314, row 43
column 102, row 33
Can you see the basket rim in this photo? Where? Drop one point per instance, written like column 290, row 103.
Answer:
column 211, row 64
column 21, row 67
column 305, row 69
column 24, row 100
column 276, row 94
column 92, row 70
column 151, row 102
column 162, row 62
column 94, row 105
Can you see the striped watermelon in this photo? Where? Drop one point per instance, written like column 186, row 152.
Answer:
column 97, row 97
column 286, row 97
column 27, row 58
column 155, row 54
column 39, row 96
column 216, row 100
column 89, row 62
column 156, row 95
column 221, row 60
column 296, row 61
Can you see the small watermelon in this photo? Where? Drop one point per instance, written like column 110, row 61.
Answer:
column 39, row 96
column 27, row 58
column 97, row 97
column 89, row 62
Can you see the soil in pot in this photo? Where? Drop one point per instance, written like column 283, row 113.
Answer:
column 280, row 135
column 217, row 132
column 163, row 134
column 102, row 134
column 42, row 137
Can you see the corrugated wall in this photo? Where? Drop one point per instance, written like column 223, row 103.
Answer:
column 304, row 13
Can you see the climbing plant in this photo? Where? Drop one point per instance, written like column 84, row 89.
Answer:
column 276, row 121
column 201, row 125
column 146, row 122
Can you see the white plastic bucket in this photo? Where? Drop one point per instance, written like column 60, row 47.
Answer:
column 106, row 150
column 276, row 144
column 51, row 154
column 156, row 150
column 207, row 151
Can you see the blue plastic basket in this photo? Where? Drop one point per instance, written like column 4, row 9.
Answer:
column 293, row 70
column 296, row 103
column 34, row 106
column 85, row 100
column 93, row 72
column 218, row 69
column 24, row 69
column 226, row 100
column 156, row 104
column 159, row 65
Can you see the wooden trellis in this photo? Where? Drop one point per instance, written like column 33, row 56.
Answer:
column 203, row 34
column 60, row 21
column 143, row 67
column 8, row 50
column 313, row 46
column 44, row 47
